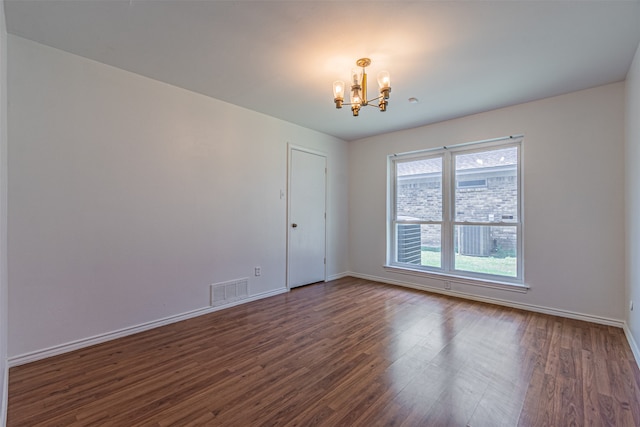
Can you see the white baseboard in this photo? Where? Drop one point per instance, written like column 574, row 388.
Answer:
column 528, row 307
column 97, row 339
column 632, row 343
column 338, row 276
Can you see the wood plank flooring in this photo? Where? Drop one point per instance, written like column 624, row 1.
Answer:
column 345, row 353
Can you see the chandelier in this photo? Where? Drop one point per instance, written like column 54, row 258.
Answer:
column 359, row 89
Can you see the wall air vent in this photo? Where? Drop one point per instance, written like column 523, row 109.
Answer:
column 229, row 292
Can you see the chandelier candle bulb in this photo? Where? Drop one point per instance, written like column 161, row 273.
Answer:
column 355, row 78
column 338, row 93
column 384, row 81
column 355, row 100
column 355, row 97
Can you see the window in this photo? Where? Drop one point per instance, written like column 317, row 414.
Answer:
column 457, row 211
column 472, row 183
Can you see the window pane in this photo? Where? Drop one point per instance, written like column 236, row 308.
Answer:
column 419, row 190
column 419, row 244
column 486, row 249
column 486, row 187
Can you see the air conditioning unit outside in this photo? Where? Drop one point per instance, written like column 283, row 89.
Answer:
column 409, row 250
column 475, row 240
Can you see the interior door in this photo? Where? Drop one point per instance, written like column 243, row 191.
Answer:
column 307, row 219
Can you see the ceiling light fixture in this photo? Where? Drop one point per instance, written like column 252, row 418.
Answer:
column 359, row 89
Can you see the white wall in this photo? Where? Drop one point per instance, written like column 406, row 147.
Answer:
column 128, row 197
column 574, row 198
column 3, row 217
column 632, row 169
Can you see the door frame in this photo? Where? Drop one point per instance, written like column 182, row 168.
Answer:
column 290, row 149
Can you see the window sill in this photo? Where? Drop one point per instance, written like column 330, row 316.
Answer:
column 493, row 284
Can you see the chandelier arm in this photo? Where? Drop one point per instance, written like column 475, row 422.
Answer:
column 369, row 101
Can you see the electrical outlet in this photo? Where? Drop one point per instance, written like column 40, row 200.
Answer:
column 447, row 284
column 258, row 271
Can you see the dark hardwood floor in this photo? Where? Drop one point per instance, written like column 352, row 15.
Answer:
column 345, row 353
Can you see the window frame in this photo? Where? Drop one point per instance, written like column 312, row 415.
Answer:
column 448, row 220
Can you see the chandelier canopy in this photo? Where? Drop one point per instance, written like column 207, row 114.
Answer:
column 359, row 89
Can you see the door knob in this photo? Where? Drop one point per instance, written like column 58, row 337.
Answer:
column 294, row 225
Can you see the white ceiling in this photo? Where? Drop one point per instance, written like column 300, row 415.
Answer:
column 281, row 57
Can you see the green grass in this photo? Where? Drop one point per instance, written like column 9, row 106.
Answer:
column 488, row 265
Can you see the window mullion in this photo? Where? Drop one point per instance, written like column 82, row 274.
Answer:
column 488, row 223
column 392, row 233
column 447, row 229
